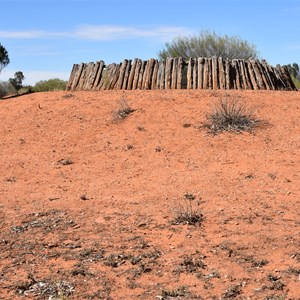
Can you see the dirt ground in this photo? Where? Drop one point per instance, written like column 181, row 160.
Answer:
column 90, row 201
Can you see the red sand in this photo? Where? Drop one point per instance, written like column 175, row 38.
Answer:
column 87, row 201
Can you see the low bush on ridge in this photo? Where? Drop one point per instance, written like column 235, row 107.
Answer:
column 54, row 84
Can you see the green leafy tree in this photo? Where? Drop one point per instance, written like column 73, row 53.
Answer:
column 4, row 58
column 209, row 44
column 294, row 70
column 17, row 81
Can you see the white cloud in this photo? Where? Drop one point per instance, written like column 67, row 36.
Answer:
column 30, row 34
column 294, row 47
column 32, row 77
column 106, row 32
column 103, row 33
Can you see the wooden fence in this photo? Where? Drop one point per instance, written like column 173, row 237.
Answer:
column 175, row 73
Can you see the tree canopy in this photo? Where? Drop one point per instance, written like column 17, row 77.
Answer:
column 4, row 58
column 294, row 70
column 209, row 44
column 17, row 81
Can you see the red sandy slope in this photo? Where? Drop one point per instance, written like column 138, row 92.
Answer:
column 87, row 200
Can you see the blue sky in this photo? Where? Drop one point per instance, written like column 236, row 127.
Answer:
column 44, row 38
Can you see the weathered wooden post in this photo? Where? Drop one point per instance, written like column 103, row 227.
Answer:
column 259, row 80
column 200, row 64
column 71, row 78
column 131, row 75
column 269, row 74
column 169, row 62
column 251, row 72
column 179, row 73
column 214, row 71
column 98, row 75
column 174, row 73
column 205, row 73
column 161, row 79
column 154, row 75
column 195, row 74
column 83, row 76
column 122, row 74
column 190, row 74
column 210, row 83
column 221, row 67
column 91, row 76
column 142, row 74
column 126, row 75
column 148, row 74
column 113, row 77
column 136, row 74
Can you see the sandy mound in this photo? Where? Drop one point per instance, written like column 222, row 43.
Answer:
column 88, row 200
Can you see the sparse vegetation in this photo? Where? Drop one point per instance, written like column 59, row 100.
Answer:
column 54, row 84
column 232, row 292
column 192, row 264
column 10, row 91
column 230, row 199
column 45, row 289
column 230, row 114
column 6, row 88
column 296, row 82
column 294, row 71
column 186, row 212
column 123, row 111
column 209, row 44
column 181, row 291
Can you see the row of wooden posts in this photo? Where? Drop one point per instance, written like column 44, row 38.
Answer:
column 175, row 73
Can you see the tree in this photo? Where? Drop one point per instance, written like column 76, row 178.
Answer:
column 209, row 44
column 4, row 58
column 16, row 82
column 294, row 70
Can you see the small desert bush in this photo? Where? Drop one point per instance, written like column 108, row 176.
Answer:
column 50, row 85
column 230, row 114
column 123, row 110
column 6, row 88
column 187, row 212
column 296, row 82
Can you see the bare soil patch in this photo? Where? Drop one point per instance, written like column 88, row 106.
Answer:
column 88, row 204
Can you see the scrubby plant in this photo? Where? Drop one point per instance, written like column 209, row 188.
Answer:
column 230, row 114
column 294, row 71
column 54, row 84
column 123, row 110
column 6, row 88
column 187, row 212
column 296, row 82
column 209, row 44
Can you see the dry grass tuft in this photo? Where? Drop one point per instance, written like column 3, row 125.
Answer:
column 123, row 111
column 187, row 212
column 231, row 114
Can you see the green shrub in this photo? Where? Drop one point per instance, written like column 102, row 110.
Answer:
column 209, row 44
column 54, row 84
column 296, row 82
column 6, row 88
